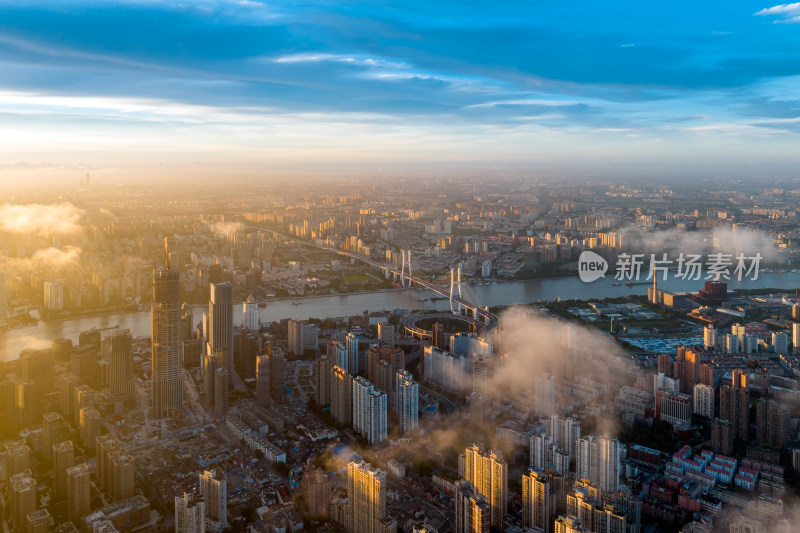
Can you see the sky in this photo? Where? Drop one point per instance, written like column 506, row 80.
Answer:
column 139, row 86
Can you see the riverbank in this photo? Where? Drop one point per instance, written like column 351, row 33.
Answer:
column 494, row 293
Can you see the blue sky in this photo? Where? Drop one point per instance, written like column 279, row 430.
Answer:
column 250, row 85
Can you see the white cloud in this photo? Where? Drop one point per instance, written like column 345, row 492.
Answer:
column 722, row 239
column 526, row 101
column 340, row 58
column 227, row 228
column 790, row 13
column 40, row 219
column 45, row 259
column 55, row 257
column 780, row 9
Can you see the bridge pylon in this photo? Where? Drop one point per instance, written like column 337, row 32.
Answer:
column 406, row 262
column 455, row 273
column 403, row 268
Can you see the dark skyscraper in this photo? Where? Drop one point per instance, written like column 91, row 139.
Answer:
column 772, row 423
column 220, row 324
column 166, row 313
column 210, row 365
column 121, row 357
column 734, row 405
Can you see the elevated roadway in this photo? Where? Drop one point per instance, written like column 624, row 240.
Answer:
column 487, row 318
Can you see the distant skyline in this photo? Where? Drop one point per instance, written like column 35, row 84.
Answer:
column 148, row 87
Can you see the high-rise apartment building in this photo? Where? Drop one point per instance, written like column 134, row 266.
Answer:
column 106, row 446
column 78, row 502
column 538, row 500
column 709, row 337
column 220, row 324
column 214, row 492
column 90, row 426
column 780, row 342
column 544, row 395
column 250, row 313
column 270, row 377
column 318, row 492
column 54, row 295
column 83, row 397
column 722, row 436
column 210, row 366
column 384, row 381
column 121, row 375
column 263, row 396
column 245, row 360
column 472, row 511
column 123, row 475
column 564, row 433
column 481, row 368
column 38, row 521
column 406, row 403
column 369, row 411
column 703, row 404
column 470, row 344
column 338, row 355
column 295, row 336
column 190, row 515
column 386, row 334
column 568, row 524
column 25, row 400
column 582, row 501
column 277, row 373
column 546, row 455
column 19, row 457
column 488, row 473
column 796, row 336
column 772, row 423
column 221, row 380
column 63, row 459
column 23, row 498
column 167, row 348
column 380, row 352
column 366, row 490
column 351, row 342
column 439, row 338
column 187, row 322
column 675, row 408
column 302, row 336
column 38, row 366
column 734, row 405
column 52, row 427
column 448, row 370
column 323, row 379
column 598, row 459
column 341, row 396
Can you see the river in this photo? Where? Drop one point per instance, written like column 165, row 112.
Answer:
column 502, row 293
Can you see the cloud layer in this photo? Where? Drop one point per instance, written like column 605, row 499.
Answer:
column 51, row 260
column 40, row 219
column 227, row 228
column 785, row 12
